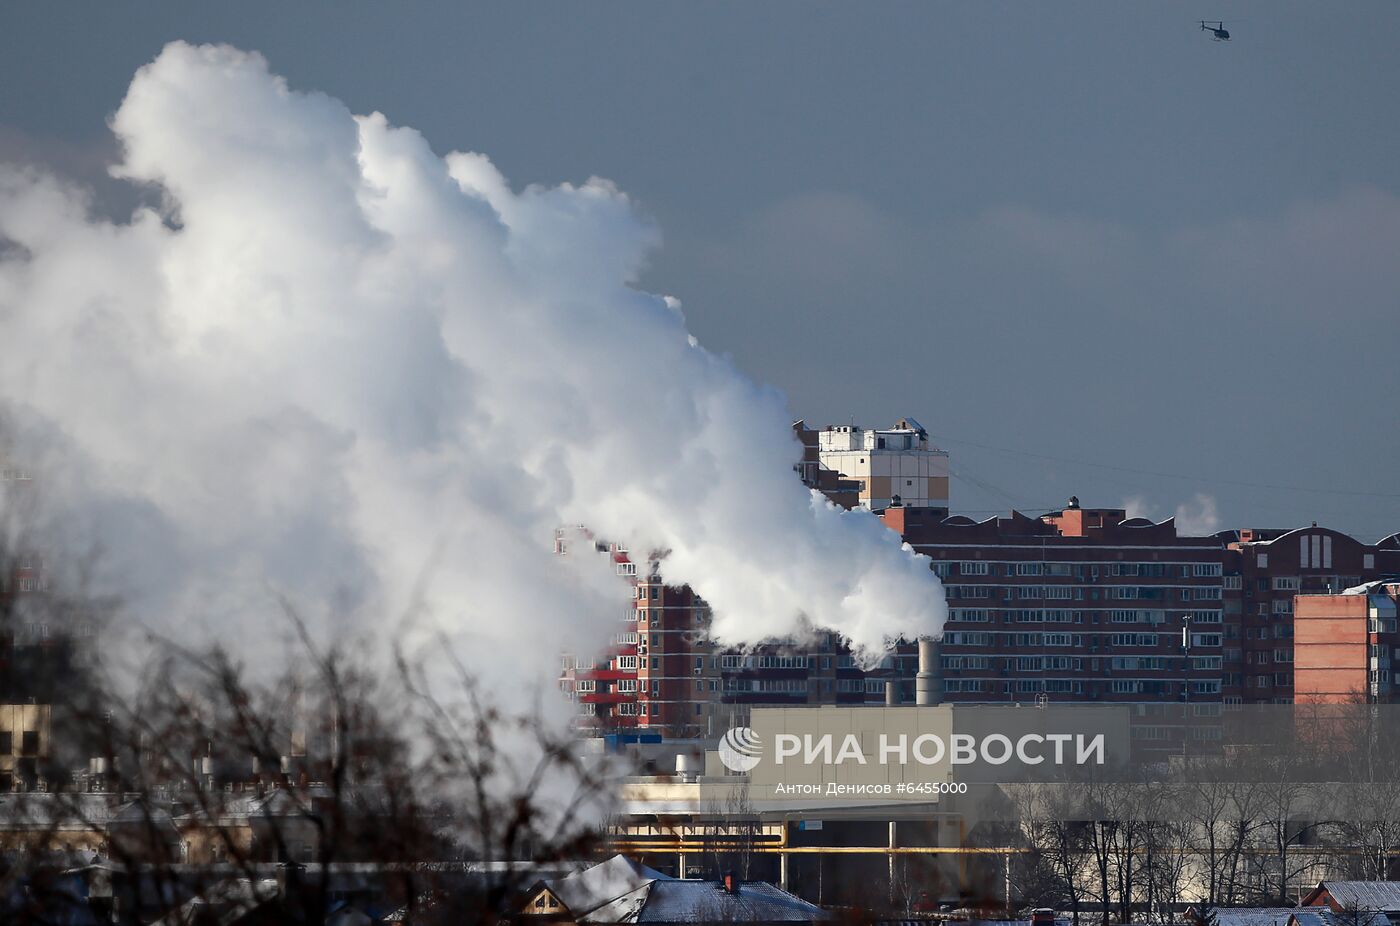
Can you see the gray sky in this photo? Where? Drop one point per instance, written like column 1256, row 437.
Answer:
column 1059, row 235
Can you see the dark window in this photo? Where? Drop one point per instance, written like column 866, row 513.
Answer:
column 7, row 743
column 29, row 743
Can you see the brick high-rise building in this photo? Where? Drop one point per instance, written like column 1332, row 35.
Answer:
column 1266, row 571
column 1084, row 604
column 663, row 674
column 1344, row 645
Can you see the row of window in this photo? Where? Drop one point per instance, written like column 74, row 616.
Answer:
column 869, row 686
column 1174, row 733
column 1277, row 632
column 728, row 661
column 633, row 709
column 1119, row 686
column 1053, row 615
column 665, row 612
column 988, row 638
column 1020, row 686
column 1027, row 641
column 1264, row 657
column 1070, row 663
column 738, row 661
column 768, row 685
column 1159, row 687
column 589, row 686
column 1083, row 592
column 946, row 569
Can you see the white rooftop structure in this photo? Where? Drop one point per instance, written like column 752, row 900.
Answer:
column 894, row 466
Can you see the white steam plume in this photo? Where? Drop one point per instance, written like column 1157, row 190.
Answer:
column 1199, row 517
column 336, row 368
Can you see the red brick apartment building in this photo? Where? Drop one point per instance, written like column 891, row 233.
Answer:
column 1086, row 604
column 1083, row 604
column 1079, row 605
column 1272, row 572
column 1344, row 645
column 663, row 674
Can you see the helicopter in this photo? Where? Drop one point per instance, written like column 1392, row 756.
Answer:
column 1216, row 29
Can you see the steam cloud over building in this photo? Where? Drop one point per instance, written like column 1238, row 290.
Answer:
column 335, row 368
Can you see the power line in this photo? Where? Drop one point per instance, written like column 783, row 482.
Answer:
column 1148, row 472
column 985, row 486
column 1021, row 508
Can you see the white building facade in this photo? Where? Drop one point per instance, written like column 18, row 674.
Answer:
column 895, row 466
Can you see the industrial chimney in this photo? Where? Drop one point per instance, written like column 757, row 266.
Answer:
column 929, row 682
column 892, row 697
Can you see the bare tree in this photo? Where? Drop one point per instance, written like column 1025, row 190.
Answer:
column 213, row 777
column 1222, row 807
column 1061, row 847
column 739, row 829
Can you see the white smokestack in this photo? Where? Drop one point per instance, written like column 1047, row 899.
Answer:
column 338, row 368
column 928, row 684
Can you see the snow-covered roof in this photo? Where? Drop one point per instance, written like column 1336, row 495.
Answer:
column 1253, row 916
column 587, row 890
column 1366, row 588
column 622, row 910
column 708, row 902
column 1322, row 916
column 1363, row 895
column 621, row 890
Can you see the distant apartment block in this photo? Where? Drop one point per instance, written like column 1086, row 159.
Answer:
column 1078, row 605
column 1087, row 604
